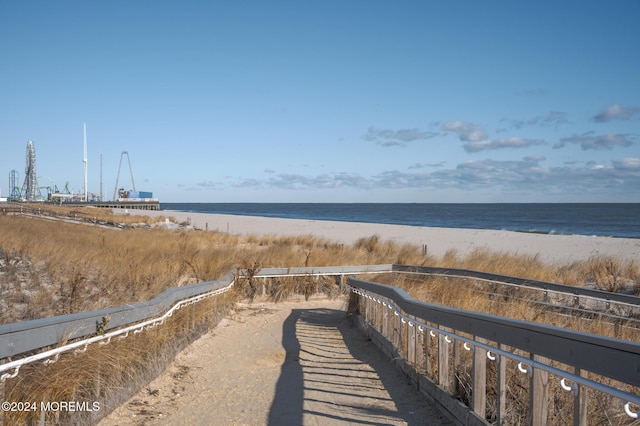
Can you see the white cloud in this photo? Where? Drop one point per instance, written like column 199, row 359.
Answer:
column 388, row 137
column 528, row 175
column 249, row 183
column 501, row 143
column 553, row 118
column 209, row 184
column 304, row 182
column 615, row 112
column 590, row 140
column 627, row 164
column 467, row 132
column 390, row 143
column 424, row 165
column 476, row 138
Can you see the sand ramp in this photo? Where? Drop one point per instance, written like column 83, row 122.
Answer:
column 292, row 363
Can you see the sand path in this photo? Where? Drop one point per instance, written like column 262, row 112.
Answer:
column 291, row 363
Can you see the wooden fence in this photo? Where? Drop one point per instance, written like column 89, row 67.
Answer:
column 402, row 326
column 429, row 342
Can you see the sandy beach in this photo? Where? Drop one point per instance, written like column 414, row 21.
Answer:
column 549, row 248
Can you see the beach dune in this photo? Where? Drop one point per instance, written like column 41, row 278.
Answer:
column 549, row 248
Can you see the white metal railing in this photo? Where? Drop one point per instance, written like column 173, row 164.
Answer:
column 51, row 356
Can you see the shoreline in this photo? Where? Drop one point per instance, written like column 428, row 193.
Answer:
column 550, row 248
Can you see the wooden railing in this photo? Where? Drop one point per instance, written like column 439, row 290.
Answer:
column 430, row 341
column 422, row 337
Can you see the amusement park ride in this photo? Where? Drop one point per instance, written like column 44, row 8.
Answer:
column 30, row 191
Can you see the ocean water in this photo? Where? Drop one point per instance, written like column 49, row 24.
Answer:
column 601, row 219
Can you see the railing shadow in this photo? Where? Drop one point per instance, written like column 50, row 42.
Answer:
column 333, row 373
column 287, row 405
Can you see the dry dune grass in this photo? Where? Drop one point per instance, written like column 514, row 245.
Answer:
column 109, row 374
column 54, row 267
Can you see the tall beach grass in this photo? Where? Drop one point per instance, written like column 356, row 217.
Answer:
column 54, row 267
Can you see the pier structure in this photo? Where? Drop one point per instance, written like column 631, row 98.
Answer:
column 133, row 205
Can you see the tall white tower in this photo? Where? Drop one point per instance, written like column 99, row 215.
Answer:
column 86, row 193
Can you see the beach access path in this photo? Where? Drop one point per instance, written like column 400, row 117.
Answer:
column 290, row 363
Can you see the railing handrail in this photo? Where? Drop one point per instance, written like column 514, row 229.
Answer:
column 614, row 358
column 319, row 270
column 28, row 336
column 51, row 355
column 525, row 282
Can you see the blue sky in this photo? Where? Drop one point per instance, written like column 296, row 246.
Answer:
column 327, row 101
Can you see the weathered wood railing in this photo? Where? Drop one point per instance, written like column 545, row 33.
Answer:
column 430, row 340
column 402, row 326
